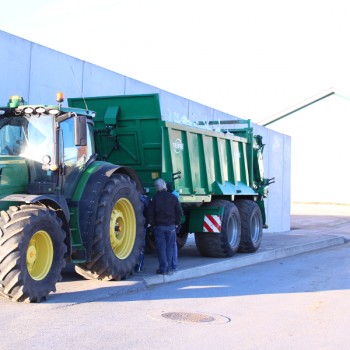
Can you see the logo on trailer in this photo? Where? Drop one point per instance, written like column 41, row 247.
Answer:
column 178, row 146
column 212, row 223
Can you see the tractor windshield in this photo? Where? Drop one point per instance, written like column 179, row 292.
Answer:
column 30, row 137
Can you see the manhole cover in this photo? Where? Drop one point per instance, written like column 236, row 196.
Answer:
column 196, row 317
column 188, row 317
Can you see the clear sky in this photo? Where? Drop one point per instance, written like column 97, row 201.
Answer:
column 249, row 58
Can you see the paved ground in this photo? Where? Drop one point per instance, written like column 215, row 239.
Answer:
column 313, row 226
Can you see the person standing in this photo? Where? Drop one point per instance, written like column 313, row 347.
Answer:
column 164, row 213
column 174, row 264
column 140, row 263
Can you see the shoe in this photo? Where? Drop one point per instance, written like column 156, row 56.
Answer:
column 160, row 272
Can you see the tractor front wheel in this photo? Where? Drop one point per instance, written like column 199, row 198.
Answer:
column 32, row 252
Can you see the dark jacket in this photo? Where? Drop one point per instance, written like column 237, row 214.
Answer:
column 164, row 209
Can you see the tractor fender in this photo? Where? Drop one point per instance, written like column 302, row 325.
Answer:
column 47, row 199
column 59, row 204
column 129, row 172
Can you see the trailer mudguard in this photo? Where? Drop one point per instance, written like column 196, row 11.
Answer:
column 206, row 219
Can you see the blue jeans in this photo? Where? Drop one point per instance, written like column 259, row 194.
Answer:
column 174, row 261
column 165, row 238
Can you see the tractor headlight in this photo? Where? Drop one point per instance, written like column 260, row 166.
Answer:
column 40, row 110
column 28, row 110
column 54, row 111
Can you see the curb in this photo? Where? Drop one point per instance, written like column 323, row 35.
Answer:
column 242, row 261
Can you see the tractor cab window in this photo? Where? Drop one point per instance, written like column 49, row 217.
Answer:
column 73, row 157
column 30, row 137
column 12, row 131
column 38, row 139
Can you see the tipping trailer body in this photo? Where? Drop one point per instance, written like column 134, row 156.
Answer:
column 130, row 131
column 206, row 167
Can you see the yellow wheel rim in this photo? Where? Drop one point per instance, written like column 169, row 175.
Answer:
column 39, row 255
column 122, row 228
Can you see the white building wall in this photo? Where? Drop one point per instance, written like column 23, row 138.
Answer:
column 37, row 73
column 319, row 157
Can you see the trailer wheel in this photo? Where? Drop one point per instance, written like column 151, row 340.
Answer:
column 181, row 239
column 251, row 226
column 32, row 252
column 182, row 235
column 225, row 243
column 119, row 231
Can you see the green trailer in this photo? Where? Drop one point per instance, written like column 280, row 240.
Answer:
column 218, row 175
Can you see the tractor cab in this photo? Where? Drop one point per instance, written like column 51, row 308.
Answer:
column 55, row 142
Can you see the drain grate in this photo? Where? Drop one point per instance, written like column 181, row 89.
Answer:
column 188, row 317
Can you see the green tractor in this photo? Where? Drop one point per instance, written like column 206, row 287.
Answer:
column 59, row 203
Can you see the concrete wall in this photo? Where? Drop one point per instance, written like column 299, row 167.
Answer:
column 37, row 73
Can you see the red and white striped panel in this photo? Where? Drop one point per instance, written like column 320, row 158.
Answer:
column 212, row 223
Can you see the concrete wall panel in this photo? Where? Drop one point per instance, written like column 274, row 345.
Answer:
column 51, row 72
column 133, row 86
column 280, row 189
column 286, row 202
column 98, row 81
column 37, row 73
column 173, row 107
column 14, row 67
column 199, row 112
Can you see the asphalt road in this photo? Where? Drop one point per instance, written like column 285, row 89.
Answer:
column 299, row 302
column 294, row 302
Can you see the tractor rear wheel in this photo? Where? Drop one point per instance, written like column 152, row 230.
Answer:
column 32, row 252
column 150, row 242
column 226, row 242
column 251, row 226
column 119, row 231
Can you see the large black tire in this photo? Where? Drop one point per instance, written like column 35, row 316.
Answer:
column 182, row 235
column 252, row 226
column 32, row 251
column 225, row 243
column 150, row 242
column 181, row 239
column 119, row 231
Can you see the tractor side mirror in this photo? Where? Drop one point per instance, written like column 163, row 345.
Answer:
column 80, row 130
